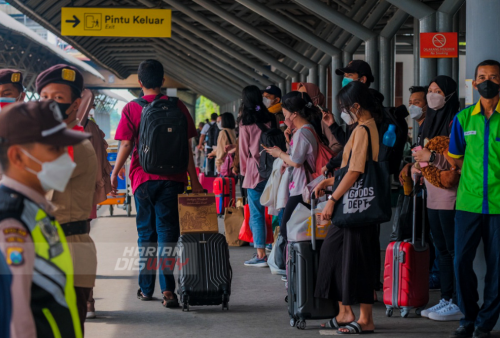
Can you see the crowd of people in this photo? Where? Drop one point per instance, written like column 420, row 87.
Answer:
column 53, row 180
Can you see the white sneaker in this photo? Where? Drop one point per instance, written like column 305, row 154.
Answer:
column 442, row 304
column 449, row 313
column 90, row 315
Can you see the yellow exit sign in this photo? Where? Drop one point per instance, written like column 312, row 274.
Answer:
column 121, row 22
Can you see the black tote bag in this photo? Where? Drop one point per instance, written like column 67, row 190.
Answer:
column 368, row 201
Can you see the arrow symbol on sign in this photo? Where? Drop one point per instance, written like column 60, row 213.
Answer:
column 76, row 21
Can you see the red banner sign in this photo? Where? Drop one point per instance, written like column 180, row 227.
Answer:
column 438, row 45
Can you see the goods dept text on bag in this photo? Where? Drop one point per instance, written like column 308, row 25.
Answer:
column 358, row 198
column 136, row 19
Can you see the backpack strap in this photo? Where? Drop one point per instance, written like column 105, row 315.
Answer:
column 228, row 137
column 262, row 126
column 143, row 102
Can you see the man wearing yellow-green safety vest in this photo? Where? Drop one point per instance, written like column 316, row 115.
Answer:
column 34, row 159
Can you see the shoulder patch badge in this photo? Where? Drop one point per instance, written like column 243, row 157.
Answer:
column 15, row 231
column 15, row 256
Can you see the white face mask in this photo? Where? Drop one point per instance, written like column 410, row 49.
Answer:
column 348, row 118
column 219, row 125
column 416, row 112
column 54, row 175
column 267, row 102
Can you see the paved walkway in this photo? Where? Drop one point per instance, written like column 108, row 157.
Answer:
column 256, row 309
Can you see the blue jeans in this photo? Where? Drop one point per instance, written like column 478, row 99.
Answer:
column 257, row 215
column 470, row 228
column 158, row 229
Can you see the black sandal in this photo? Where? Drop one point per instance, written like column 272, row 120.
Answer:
column 354, row 328
column 141, row 296
column 332, row 324
column 170, row 303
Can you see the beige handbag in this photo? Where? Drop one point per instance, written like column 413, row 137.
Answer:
column 233, row 219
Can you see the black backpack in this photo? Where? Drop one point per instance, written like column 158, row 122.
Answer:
column 163, row 146
column 394, row 155
column 270, row 137
column 213, row 135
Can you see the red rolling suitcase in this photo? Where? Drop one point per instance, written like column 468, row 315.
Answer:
column 225, row 193
column 207, row 182
column 406, row 271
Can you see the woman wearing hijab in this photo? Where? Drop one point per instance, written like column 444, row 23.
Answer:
column 443, row 105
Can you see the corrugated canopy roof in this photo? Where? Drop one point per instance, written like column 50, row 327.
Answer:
column 220, row 46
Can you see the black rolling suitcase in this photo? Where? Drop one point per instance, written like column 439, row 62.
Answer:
column 205, row 272
column 303, row 261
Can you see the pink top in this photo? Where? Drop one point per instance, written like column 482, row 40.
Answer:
column 128, row 130
column 249, row 142
column 437, row 198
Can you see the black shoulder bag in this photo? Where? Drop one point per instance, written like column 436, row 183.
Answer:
column 368, row 201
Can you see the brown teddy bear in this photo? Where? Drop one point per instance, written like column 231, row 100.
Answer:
column 444, row 179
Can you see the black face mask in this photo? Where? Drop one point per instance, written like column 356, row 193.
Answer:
column 488, row 89
column 63, row 107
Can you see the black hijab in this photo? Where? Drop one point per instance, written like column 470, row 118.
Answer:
column 438, row 122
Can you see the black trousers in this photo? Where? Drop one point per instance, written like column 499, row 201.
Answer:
column 346, row 265
column 210, row 169
column 442, row 224
column 82, row 296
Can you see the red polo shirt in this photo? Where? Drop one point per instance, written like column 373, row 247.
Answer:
column 128, row 130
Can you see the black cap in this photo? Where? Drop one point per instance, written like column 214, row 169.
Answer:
column 273, row 90
column 61, row 73
column 359, row 67
column 36, row 122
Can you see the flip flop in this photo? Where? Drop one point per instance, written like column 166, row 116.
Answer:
column 354, row 328
column 332, row 324
column 141, row 296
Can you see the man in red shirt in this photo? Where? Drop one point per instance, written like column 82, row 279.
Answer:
column 155, row 196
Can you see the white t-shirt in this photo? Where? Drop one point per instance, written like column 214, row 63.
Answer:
column 205, row 129
column 303, row 146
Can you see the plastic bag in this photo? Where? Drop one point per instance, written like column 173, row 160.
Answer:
column 299, row 225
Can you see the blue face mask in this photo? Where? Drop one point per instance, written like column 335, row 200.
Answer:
column 346, row 81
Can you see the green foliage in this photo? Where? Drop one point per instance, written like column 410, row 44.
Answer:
column 204, row 108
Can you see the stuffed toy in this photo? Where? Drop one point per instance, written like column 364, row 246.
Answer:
column 444, row 179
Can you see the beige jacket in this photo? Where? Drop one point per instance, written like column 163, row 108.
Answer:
column 222, row 141
column 75, row 204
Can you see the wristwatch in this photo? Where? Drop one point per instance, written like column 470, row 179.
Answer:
column 433, row 157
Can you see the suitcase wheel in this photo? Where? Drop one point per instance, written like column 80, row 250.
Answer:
column 293, row 322
column 301, row 325
column 405, row 313
column 286, row 301
column 418, row 312
column 185, row 302
column 388, row 312
column 225, row 302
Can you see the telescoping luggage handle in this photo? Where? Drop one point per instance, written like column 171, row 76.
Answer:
column 416, row 178
column 313, row 219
